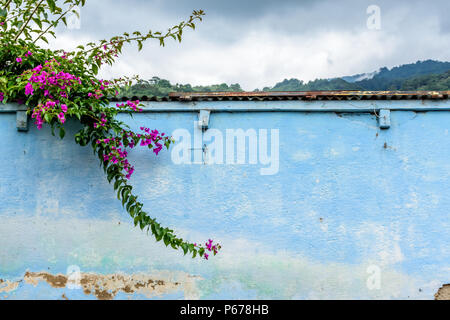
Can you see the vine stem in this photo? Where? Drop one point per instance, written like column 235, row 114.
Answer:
column 28, row 21
column 19, row 13
column 9, row 19
column 126, row 40
column 148, row 36
column 52, row 24
column 7, row 4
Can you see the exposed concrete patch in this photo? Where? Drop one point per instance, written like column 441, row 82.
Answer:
column 443, row 293
column 8, row 286
column 106, row 287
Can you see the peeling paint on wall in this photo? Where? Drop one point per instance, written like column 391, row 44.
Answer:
column 443, row 293
column 8, row 286
column 106, row 287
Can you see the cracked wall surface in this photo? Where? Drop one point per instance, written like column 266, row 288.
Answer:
column 354, row 212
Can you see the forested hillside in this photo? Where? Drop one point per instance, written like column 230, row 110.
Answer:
column 422, row 75
column 162, row 88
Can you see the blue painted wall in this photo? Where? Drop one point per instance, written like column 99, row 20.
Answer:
column 350, row 205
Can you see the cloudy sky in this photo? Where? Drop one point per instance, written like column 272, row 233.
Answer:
column 260, row 42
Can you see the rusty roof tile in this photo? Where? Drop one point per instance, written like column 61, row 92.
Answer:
column 295, row 95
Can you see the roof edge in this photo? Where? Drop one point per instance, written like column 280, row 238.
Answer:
column 295, row 95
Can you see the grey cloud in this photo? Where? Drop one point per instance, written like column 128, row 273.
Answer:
column 221, row 48
column 229, row 20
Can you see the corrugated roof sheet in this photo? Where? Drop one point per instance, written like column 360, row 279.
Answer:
column 296, row 95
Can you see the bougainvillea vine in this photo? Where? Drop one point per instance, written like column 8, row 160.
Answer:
column 57, row 85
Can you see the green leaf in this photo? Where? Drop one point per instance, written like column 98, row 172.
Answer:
column 38, row 22
column 130, row 203
column 166, row 239
column 48, row 117
column 185, row 248
column 52, row 5
column 158, row 233
column 125, row 194
column 119, row 192
column 117, row 184
column 62, row 132
column 132, row 211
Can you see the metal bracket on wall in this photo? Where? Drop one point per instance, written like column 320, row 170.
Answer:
column 22, row 120
column 203, row 119
column 385, row 119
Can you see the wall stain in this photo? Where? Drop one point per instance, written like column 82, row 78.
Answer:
column 106, row 287
column 443, row 293
column 386, row 146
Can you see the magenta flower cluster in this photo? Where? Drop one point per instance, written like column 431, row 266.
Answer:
column 102, row 85
column 150, row 138
column 117, row 154
column 55, row 85
column 211, row 247
column 102, row 122
column 28, row 54
column 130, row 105
column 2, row 96
column 109, row 50
column 39, row 111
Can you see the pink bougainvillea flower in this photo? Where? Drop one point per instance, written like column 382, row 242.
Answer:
column 209, row 244
column 19, row 60
column 61, row 117
column 29, row 89
column 64, row 108
column 158, row 148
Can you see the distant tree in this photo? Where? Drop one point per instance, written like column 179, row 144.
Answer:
column 161, row 88
column 422, row 75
